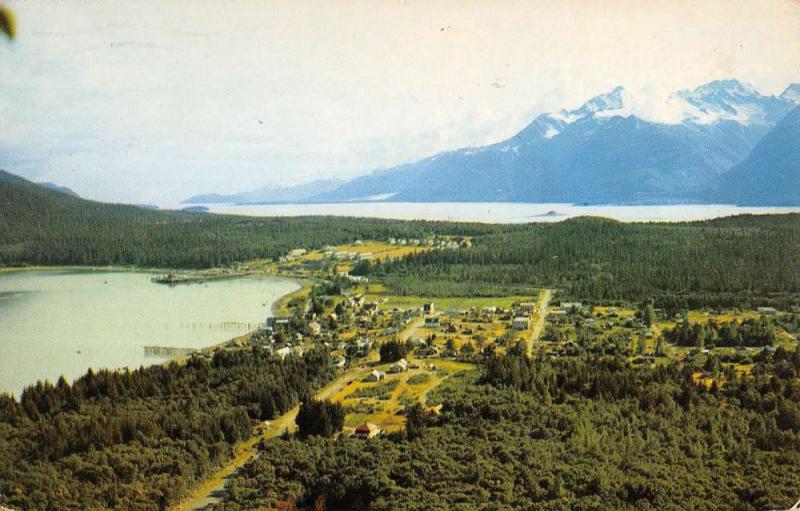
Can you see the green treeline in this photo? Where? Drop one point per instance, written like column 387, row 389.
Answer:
column 729, row 262
column 41, row 226
column 140, row 439
column 589, row 434
column 748, row 333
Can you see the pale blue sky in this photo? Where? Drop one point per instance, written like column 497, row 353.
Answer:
column 145, row 101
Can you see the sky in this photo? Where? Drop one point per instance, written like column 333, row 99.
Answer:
column 151, row 102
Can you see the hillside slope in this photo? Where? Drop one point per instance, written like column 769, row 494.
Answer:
column 770, row 175
column 43, row 226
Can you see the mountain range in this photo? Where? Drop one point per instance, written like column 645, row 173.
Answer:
column 609, row 150
column 269, row 194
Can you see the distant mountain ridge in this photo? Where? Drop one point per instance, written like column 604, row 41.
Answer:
column 269, row 194
column 58, row 188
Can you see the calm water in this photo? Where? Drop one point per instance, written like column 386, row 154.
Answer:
column 54, row 323
column 493, row 212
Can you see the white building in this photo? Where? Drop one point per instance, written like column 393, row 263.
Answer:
column 374, row 376
column 521, row 323
column 400, row 366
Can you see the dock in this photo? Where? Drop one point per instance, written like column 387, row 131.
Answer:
column 167, row 351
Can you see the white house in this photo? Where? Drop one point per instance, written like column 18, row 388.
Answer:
column 399, row 366
column 314, row 328
column 374, row 376
column 284, row 352
column 521, row 323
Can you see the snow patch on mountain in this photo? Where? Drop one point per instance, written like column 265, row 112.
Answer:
column 551, row 132
column 792, row 93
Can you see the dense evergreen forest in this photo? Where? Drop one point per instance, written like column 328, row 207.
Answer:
column 591, row 434
column 42, row 226
column 139, row 440
column 738, row 261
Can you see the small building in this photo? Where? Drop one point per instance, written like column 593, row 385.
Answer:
column 364, row 256
column 416, row 341
column 283, row 352
column 313, row 328
column 571, row 306
column 375, row 376
column 521, row 323
column 767, row 311
column 431, row 321
column 340, row 362
column 428, row 308
column 528, row 306
column 297, row 252
column 274, row 323
column 400, row 366
column 367, row 430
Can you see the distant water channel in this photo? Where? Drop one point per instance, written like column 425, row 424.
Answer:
column 498, row 212
column 56, row 323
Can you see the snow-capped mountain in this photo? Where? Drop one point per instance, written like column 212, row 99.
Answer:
column 616, row 147
column 792, row 93
column 732, row 100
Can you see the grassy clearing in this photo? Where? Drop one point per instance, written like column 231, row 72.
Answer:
column 443, row 304
column 382, row 402
column 381, row 390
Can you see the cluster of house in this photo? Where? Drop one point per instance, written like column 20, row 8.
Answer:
column 343, row 255
column 522, row 315
column 432, row 242
column 566, row 308
column 293, row 254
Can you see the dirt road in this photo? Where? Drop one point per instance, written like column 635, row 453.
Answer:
column 541, row 315
column 211, row 491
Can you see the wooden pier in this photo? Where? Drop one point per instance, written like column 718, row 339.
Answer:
column 167, row 351
column 172, row 279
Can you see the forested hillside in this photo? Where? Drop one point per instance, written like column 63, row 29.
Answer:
column 593, row 434
column 732, row 261
column 140, row 439
column 42, row 226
